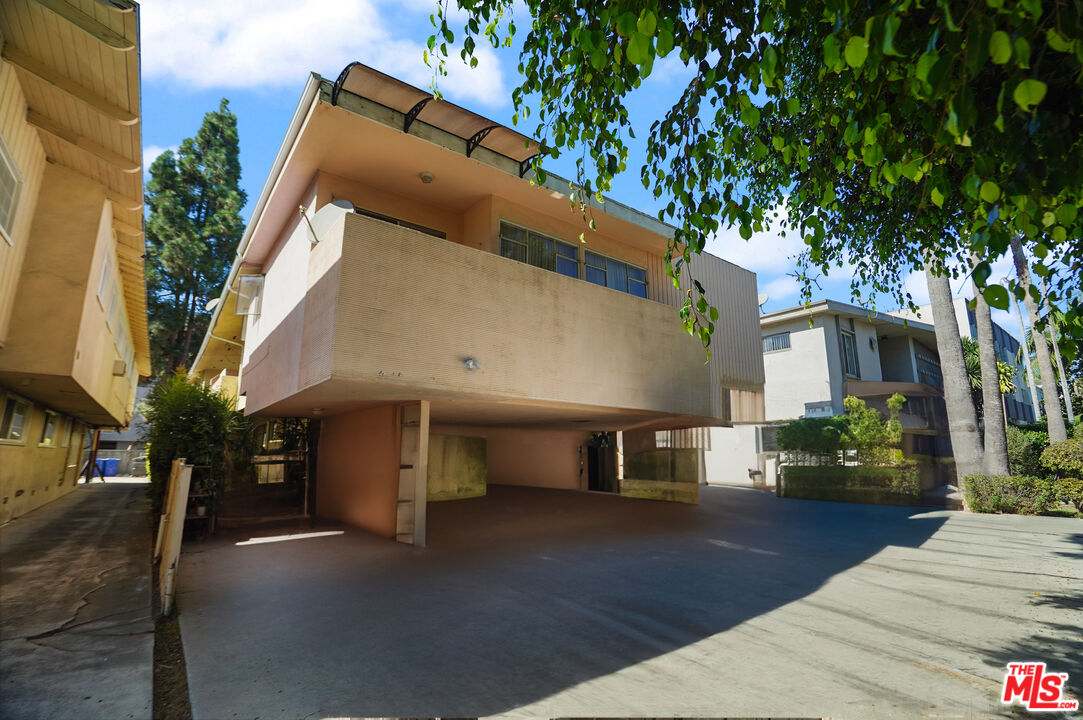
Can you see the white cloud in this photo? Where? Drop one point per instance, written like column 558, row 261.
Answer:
column 151, row 153
column 781, row 288
column 765, row 252
column 256, row 44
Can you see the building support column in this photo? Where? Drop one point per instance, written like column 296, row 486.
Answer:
column 413, row 473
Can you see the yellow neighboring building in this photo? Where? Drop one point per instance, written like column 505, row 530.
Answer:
column 402, row 283
column 73, row 320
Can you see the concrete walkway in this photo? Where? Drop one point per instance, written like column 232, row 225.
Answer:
column 560, row 604
column 76, row 634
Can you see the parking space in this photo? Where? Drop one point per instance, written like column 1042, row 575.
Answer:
column 555, row 603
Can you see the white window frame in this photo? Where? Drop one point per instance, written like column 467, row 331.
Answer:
column 28, row 415
column 50, row 441
column 786, row 339
column 646, row 275
column 7, row 227
column 555, row 240
column 842, row 347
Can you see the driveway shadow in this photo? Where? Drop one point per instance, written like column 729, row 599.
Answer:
column 520, row 595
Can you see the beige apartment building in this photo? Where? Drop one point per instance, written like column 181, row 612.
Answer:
column 73, row 328
column 405, row 284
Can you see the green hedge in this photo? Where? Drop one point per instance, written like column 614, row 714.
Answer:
column 1021, row 495
column 877, row 484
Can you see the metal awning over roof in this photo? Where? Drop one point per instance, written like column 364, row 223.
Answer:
column 416, row 104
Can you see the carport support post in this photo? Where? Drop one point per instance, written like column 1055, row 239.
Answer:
column 413, row 473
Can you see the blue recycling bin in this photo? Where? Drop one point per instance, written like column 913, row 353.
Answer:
column 110, row 466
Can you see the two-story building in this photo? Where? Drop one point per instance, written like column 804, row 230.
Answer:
column 452, row 324
column 1017, row 404
column 73, row 321
column 813, row 358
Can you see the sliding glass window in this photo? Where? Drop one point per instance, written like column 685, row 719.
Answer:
column 539, row 250
column 602, row 270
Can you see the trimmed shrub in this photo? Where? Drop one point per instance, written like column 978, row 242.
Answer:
column 814, row 436
column 1021, row 495
column 1070, row 490
column 184, row 419
column 1065, row 458
column 1025, row 450
column 887, row 485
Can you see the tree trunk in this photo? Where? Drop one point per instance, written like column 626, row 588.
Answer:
column 1037, row 406
column 996, row 441
column 962, row 420
column 1053, row 414
column 190, row 323
column 1056, row 355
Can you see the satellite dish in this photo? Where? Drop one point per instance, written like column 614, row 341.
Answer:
column 762, row 300
column 213, row 304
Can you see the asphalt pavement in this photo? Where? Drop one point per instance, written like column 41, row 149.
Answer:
column 550, row 603
column 76, row 632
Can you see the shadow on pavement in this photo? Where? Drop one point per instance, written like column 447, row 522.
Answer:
column 520, row 595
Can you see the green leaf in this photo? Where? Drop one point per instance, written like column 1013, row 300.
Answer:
column 793, row 106
column 639, row 47
column 751, row 116
column 990, row 191
column 891, row 26
column 925, row 64
column 1066, row 214
column 831, row 51
column 1000, row 47
column 982, row 271
column 746, row 231
column 857, row 49
column 647, row 23
column 937, row 197
column 664, row 43
column 997, row 297
column 1059, row 234
column 1057, row 41
column 1022, row 51
column 626, row 24
column 714, row 314
column 1029, row 93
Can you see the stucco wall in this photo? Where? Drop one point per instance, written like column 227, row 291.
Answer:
column 802, row 374
column 529, row 456
column 25, row 150
column 59, row 333
column 358, row 469
column 32, row 475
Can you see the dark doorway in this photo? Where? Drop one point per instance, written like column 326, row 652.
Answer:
column 602, row 463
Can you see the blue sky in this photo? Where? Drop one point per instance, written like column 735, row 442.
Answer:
column 258, row 53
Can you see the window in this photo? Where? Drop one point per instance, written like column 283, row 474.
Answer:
column 10, row 184
column 849, row 353
column 606, row 271
column 48, row 430
column 776, row 342
column 538, row 250
column 13, row 424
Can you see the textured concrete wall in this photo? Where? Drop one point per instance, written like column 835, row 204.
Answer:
column 457, row 467
column 358, row 476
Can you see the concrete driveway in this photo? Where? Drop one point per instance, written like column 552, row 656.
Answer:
column 560, row 604
column 76, row 633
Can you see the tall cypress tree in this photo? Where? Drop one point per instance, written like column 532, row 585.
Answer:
column 192, row 234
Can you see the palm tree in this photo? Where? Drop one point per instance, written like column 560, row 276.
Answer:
column 962, row 420
column 996, row 441
column 1054, row 416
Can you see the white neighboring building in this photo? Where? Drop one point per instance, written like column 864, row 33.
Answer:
column 815, row 356
column 1017, row 405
